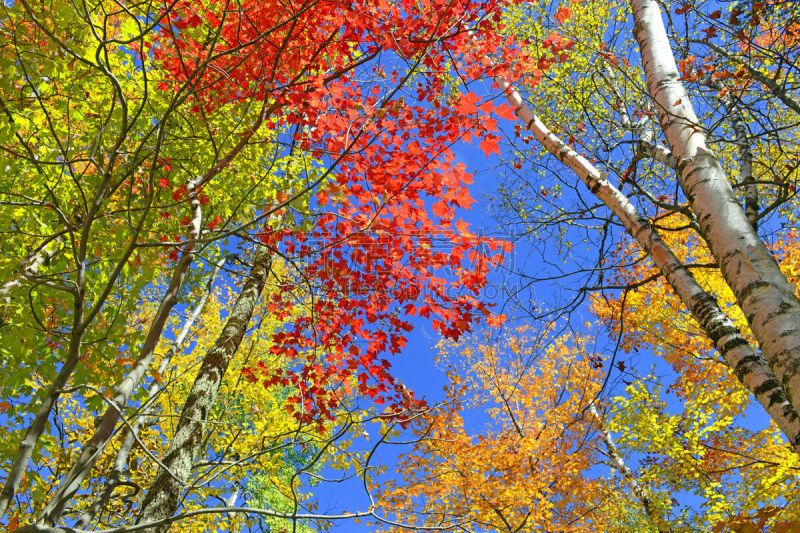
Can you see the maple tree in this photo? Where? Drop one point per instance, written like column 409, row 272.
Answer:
column 219, row 129
column 143, row 143
column 515, row 445
column 522, row 472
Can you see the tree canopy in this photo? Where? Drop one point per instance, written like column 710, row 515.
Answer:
column 222, row 221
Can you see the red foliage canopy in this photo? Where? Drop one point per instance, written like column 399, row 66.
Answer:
column 332, row 72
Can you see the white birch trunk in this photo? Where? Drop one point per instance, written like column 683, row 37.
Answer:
column 748, row 366
column 765, row 296
column 627, row 474
column 93, row 448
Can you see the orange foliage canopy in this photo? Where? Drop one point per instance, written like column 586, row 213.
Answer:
column 508, row 449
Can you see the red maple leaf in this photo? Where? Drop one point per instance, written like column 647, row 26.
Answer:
column 489, row 145
column 467, row 104
column 506, row 111
column 370, row 251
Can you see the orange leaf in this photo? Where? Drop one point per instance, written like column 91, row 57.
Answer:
column 495, row 321
column 563, row 14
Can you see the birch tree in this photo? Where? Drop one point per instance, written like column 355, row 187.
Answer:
column 767, row 299
column 651, row 198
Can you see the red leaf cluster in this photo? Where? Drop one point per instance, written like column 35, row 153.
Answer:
column 386, row 246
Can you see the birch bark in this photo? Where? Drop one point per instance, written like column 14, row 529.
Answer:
column 748, row 366
column 765, row 296
column 627, row 474
column 93, row 448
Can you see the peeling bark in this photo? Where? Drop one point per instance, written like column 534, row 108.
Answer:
column 762, row 291
column 748, row 366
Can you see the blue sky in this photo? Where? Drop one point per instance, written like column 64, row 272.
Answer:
column 416, row 366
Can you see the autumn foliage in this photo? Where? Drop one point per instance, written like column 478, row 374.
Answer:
column 524, row 469
column 306, row 168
